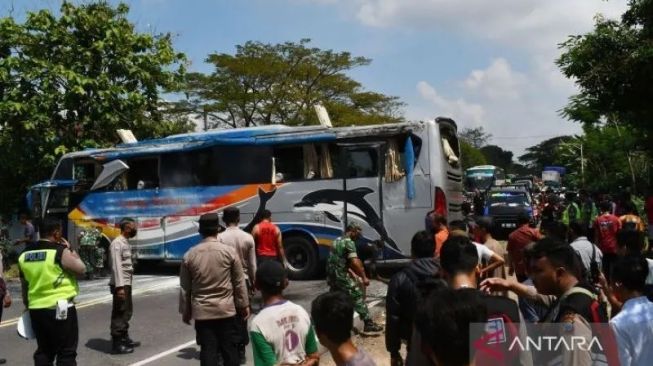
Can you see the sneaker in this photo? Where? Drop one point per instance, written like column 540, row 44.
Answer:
column 370, row 327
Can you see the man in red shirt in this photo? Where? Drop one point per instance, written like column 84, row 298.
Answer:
column 648, row 207
column 606, row 228
column 267, row 237
column 517, row 241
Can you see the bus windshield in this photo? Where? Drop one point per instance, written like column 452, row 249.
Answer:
column 508, row 199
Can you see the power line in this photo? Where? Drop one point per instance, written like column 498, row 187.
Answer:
column 524, row 137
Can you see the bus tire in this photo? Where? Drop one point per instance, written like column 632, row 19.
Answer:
column 301, row 256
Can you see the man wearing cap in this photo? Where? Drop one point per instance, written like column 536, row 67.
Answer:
column 281, row 332
column 122, row 271
column 342, row 265
column 213, row 292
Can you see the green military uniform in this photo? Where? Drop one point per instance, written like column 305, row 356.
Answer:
column 338, row 276
column 588, row 213
column 89, row 251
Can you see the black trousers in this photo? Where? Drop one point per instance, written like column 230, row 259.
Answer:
column 56, row 339
column 243, row 332
column 121, row 313
column 608, row 261
column 219, row 336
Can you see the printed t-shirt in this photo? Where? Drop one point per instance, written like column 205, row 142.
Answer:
column 282, row 333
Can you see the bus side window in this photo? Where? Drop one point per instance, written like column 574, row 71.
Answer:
column 143, row 173
column 289, row 162
column 360, row 163
column 243, row 164
column 189, row 169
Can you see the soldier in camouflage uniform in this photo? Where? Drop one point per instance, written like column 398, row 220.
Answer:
column 343, row 260
column 90, row 251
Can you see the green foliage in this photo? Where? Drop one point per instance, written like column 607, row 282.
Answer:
column 613, row 68
column 470, row 156
column 67, row 82
column 476, row 137
column 611, row 160
column 494, row 155
column 543, row 154
column 265, row 84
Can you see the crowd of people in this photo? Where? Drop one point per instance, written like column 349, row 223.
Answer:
column 584, row 267
column 455, row 304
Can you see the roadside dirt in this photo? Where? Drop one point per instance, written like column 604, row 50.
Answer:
column 373, row 345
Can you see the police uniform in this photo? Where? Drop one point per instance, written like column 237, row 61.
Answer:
column 339, row 279
column 122, row 271
column 48, row 271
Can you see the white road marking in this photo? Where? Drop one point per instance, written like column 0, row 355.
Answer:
column 168, row 283
column 163, row 354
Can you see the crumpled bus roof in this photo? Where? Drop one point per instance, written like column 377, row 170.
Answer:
column 263, row 135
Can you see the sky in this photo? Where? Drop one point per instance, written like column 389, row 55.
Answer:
column 486, row 63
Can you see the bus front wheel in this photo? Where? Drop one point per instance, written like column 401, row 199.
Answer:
column 301, row 256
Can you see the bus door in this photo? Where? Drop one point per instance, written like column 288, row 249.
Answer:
column 361, row 170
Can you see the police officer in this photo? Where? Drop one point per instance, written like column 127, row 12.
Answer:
column 342, row 261
column 122, row 272
column 213, row 292
column 48, row 269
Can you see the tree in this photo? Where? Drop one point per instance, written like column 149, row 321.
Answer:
column 477, row 137
column 264, row 84
column 470, row 156
column 68, row 81
column 497, row 156
column 609, row 162
column 613, row 68
column 543, row 154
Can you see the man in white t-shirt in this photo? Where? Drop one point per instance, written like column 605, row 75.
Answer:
column 281, row 333
column 487, row 258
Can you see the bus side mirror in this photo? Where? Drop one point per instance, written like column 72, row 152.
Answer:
column 110, row 171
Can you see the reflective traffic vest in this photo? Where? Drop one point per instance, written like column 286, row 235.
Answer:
column 47, row 281
column 566, row 217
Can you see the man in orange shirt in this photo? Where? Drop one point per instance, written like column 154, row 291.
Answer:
column 440, row 230
column 517, row 241
column 267, row 237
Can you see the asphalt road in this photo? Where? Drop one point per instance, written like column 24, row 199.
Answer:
column 166, row 341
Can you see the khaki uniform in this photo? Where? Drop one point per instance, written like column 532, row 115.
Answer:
column 122, row 271
column 243, row 243
column 122, row 268
column 212, row 281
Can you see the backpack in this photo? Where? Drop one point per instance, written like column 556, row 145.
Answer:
column 502, row 328
column 586, row 304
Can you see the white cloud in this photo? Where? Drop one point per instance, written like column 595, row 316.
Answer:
column 532, row 24
column 498, row 81
column 458, row 109
column 504, row 102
